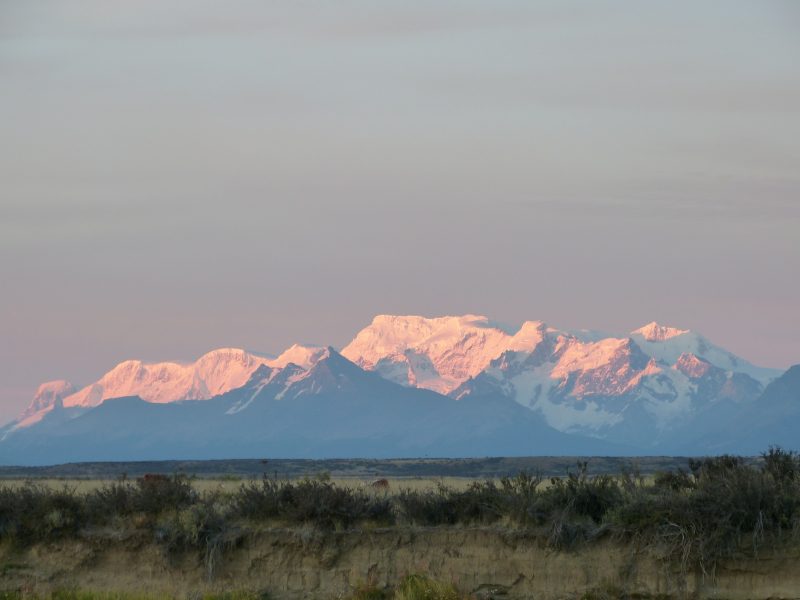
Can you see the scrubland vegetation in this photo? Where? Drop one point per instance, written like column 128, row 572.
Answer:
column 720, row 507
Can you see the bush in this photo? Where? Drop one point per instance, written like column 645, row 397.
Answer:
column 521, row 494
column 673, row 480
column 727, row 507
column 34, row 512
column 481, row 502
column 581, row 495
column 420, row 587
column 428, row 508
column 782, row 465
column 320, row 503
column 112, row 500
column 150, row 495
column 157, row 493
column 204, row 526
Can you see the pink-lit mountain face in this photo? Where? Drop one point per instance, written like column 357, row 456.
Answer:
column 214, row 373
column 651, row 380
column 48, row 396
column 328, row 408
column 643, row 389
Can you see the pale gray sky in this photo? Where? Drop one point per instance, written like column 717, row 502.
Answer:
column 179, row 176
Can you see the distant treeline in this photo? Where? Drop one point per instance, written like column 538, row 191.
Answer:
column 477, row 468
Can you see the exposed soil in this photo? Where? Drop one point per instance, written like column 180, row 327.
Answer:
column 296, row 563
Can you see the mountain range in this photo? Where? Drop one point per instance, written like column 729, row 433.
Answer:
column 414, row 386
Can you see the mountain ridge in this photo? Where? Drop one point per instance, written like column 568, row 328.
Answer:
column 642, row 390
column 332, row 408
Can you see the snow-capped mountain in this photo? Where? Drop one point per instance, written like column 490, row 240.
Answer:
column 658, row 389
column 48, row 396
column 437, row 354
column 329, row 407
column 667, row 344
column 631, row 389
column 212, row 374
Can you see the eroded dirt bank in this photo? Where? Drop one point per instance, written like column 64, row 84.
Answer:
column 293, row 564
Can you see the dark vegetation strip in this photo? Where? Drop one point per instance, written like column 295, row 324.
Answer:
column 718, row 507
column 284, row 468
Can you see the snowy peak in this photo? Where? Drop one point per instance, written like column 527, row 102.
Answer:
column 213, row 373
column 436, row 353
column 667, row 350
column 692, row 366
column 587, row 381
column 579, row 381
column 530, row 335
column 330, row 366
column 47, row 397
column 50, row 393
column 653, row 332
column 218, row 369
column 302, row 356
column 330, row 373
column 336, row 365
column 609, row 367
column 582, row 356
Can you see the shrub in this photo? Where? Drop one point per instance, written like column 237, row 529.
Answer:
column 782, row 465
column 581, row 495
column 428, row 508
column 727, row 507
column 320, row 503
column 157, row 493
column 715, row 467
column 521, row 494
column 673, row 480
column 420, row 587
column 151, row 495
column 34, row 512
column 112, row 500
column 481, row 502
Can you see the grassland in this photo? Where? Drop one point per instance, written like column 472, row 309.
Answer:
column 711, row 505
column 714, row 509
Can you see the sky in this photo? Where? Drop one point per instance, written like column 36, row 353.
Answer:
column 177, row 176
